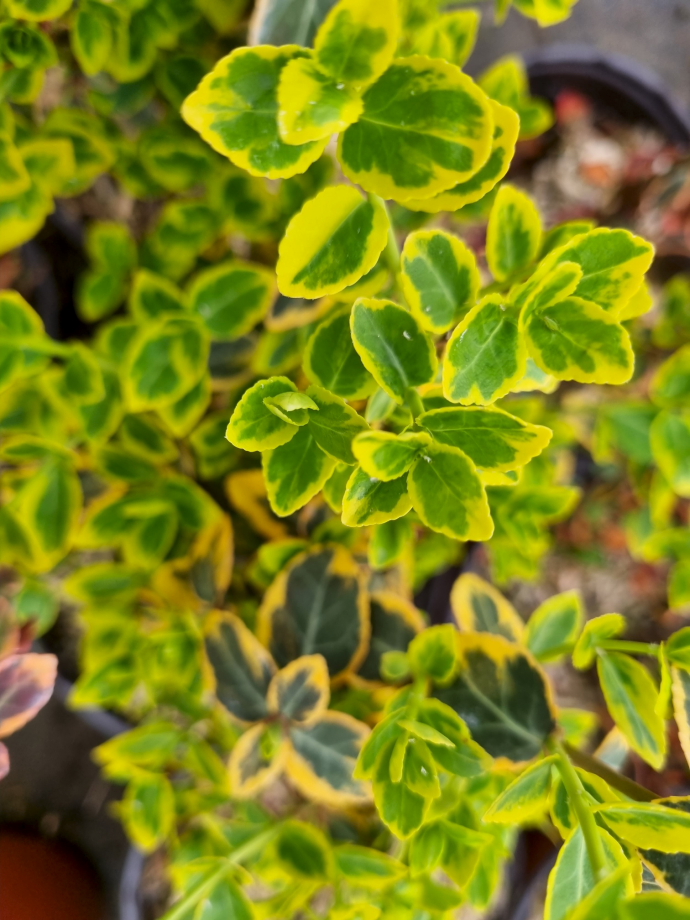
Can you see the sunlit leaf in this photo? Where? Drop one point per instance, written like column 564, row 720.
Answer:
column 332, row 242
column 440, row 278
column 235, row 109
column 425, row 127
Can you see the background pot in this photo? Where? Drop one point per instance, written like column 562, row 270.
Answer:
column 55, row 790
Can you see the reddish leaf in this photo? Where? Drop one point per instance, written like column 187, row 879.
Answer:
column 26, row 684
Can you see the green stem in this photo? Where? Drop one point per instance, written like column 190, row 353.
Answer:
column 635, row 648
column 414, row 403
column 576, row 796
column 205, row 886
column 628, row 787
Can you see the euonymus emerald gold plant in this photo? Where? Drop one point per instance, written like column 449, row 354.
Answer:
column 303, row 744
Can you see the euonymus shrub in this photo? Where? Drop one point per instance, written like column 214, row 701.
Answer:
column 305, row 745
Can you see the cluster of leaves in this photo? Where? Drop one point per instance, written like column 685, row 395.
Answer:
column 468, row 748
column 26, row 678
column 302, row 735
column 648, row 428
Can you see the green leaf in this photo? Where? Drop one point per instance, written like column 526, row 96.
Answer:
column 334, row 487
column 282, row 22
column 502, row 694
column 231, row 298
column 49, row 506
column 378, row 746
column 448, row 495
column 479, row 607
column 670, row 442
column 678, row 648
column 357, row 41
column 153, row 296
column 93, row 154
column 243, row 668
column 312, row 105
column 37, row 604
column 143, row 436
column 37, row 10
column 670, row 386
column 256, row 760
column 402, row 809
column 485, row 356
column 613, row 263
column 506, row 82
column 301, row 691
column 526, row 797
column 573, row 878
column 389, row 543
column 491, row 438
column 164, row 360
column 92, row 36
column 331, row 361
column 450, row 36
column 14, row 178
column 577, row 340
column 182, row 416
column 253, row 426
column 392, row 346
column 514, row 233
column 225, row 902
column 105, row 581
column 22, row 217
column 649, row 825
column 604, row 899
column 111, row 247
column 607, row 626
column 295, row 471
column 672, row 870
column 434, row 653
column 365, row 867
column 83, row 378
column 149, row 541
column 304, row 851
column 99, row 293
column 148, row 810
column 335, row 425
column 291, row 407
column 317, row 605
column 554, row 627
column 425, row 127
column 331, row 243
column 563, row 233
column 367, row 500
column 506, row 130
column 102, row 419
column 440, row 279
column 630, row 694
column 235, row 110
column 656, row 906
column 385, row 455
column 322, row 758
column 116, row 463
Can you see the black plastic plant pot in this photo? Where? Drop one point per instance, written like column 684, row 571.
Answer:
column 55, row 809
column 618, row 86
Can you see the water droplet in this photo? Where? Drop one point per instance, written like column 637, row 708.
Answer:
column 407, row 335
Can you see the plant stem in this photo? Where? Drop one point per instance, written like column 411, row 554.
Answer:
column 205, row 886
column 635, row 648
column 627, row 786
column 576, row 795
column 414, row 403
